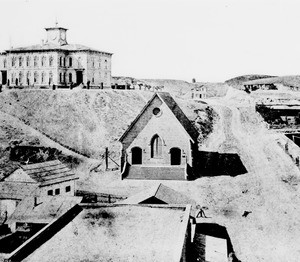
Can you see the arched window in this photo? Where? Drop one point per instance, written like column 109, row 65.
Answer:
column 13, row 61
column 156, row 147
column 4, row 63
column 136, row 156
column 60, row 77
column 175, row 154
column 79, row 62
column 70, row 61
column 64, row 61
column 60, row 61
column 65, row 77
column 70, row 77
column 105, row 64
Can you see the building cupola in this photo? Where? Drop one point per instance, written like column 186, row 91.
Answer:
column 56, row 35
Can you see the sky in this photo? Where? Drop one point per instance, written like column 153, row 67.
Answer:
column 209, row 40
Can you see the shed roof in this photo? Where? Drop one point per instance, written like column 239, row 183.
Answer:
column 166, row 98
column 161, row 192
column 46, row 209
column 119, row 233
column 54, row 47
column 48, row 173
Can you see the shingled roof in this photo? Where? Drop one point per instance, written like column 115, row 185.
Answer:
column 47, row 173
column 166, row 98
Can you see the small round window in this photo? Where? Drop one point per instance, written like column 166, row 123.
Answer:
column 156, row 111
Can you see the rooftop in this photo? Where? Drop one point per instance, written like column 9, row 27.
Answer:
column 44, row 210
column 54, row 47
column 46, row 173
column 162, row 193
column 119, row 233
column 16, row 191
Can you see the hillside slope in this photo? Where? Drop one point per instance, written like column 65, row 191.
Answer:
column 85, row 120
column 237, row 82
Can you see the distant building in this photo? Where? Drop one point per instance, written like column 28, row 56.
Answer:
column 55, row 62
column 160, row 143
column 199, row 92
column 51, row 178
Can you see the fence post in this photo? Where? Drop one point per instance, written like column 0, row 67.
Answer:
column 106, row 158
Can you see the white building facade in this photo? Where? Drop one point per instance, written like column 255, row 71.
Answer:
column 55, row 63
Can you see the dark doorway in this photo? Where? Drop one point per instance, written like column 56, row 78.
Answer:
column 101, row 85
column 175, row 156
column 4, row 77
column 17, row 81
column 136, row 153
column 79, row 77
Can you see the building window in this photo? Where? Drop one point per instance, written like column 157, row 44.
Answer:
column 43, row 77
column 13, row 61
column 105, row 64
column 70, row 61
column 20, row 61
column 68, row 188
column 50, row 60
column 136, row 156
column 99, row 63
column 93, row 62
column 50, row 77
column 64, row 61
column 27, row 61
column 60, row 61
column 156, row 147
column 28, row 78
column 60, row 77
column 50, row 192
column 70, row 77
column 43, row 61
column 20, row 78
column 35, row 77
column 57, row 191
column 65, row 77
column 4, row 63
column 79, row 62
column 35, row 62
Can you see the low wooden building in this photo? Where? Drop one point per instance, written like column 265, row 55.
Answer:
column 51, row 178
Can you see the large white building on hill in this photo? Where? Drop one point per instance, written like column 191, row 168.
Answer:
column 55, row 62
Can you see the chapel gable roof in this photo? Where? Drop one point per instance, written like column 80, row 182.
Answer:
column 176, row 110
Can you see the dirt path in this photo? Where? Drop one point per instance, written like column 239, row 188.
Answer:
column 273, row 228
